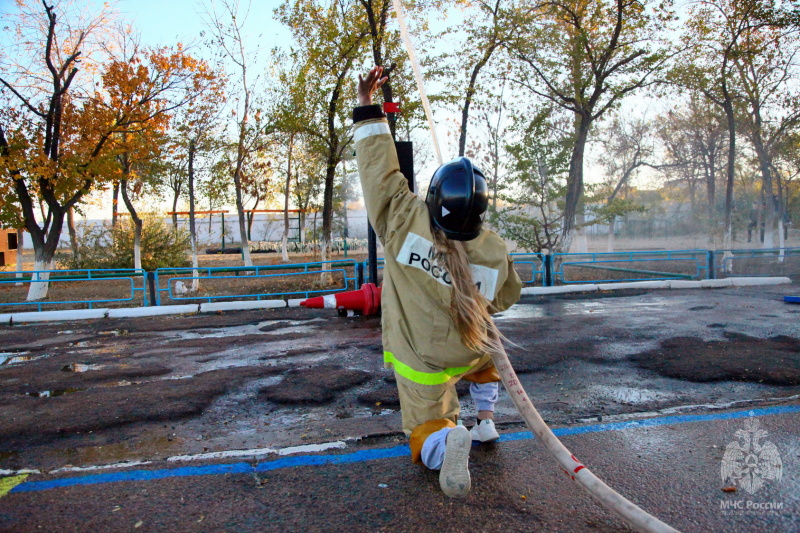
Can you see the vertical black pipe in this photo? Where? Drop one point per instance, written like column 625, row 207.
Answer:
column 712, row 274
column 151, row 285
column 548, row 270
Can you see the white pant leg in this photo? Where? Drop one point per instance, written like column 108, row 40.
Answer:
column 484, row 395
column 433, row 449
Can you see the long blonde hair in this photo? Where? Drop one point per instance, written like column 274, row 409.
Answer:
column 468, row 307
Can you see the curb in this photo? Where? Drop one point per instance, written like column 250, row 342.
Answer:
column 191, row 309
column 673, row 284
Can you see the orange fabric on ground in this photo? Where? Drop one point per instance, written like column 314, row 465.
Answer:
column 422, row 432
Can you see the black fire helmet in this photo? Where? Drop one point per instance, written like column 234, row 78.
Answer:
column 457, row 199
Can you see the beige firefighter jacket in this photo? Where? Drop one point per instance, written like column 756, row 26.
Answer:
column 420, row 340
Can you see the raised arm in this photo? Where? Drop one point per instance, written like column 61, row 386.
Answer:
column 388, row 199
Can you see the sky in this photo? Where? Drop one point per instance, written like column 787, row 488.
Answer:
column 169, row 21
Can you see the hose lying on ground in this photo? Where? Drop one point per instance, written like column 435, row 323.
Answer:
column 630, row 512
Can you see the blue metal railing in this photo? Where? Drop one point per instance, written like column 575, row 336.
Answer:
column 365, row 266
column 537, row 263
column 27, row 277
column 172, row 276
column 547, row 270
column 725, row 261
column 627, row 262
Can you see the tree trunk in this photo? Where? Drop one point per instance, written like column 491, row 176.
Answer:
column 174, row 211
column 192, row 226
column 611, row 226
column 114, row 203
column 237, row 181
column 574, row 199
column 73, row 235
column 285, row 238
column 45, row 240
column 137, row 226
column 250, row 218
column 764, row 166
column 462, row 138
column 327, row 219
column 579, row 243
column 41, row 267
column 730, row 174
column 20, row 255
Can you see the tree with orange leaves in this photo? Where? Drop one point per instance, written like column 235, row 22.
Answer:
column 62, row 143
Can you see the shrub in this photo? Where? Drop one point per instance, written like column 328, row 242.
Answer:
column 107, row 247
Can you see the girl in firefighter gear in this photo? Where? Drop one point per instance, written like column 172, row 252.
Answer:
column 443, row 277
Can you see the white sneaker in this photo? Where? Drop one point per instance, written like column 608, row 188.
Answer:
column 454, row 475
column 484, row 431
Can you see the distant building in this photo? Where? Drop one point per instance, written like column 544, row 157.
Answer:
column 8, row 244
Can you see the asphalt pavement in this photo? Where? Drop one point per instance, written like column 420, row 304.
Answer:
column 226, row 422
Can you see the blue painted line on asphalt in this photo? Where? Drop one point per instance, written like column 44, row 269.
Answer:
column 374, row 454
column 654, row 422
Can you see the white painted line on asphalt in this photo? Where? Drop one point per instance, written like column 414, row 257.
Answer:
column 223, row 454
column 311, row 448
column 124, row 464
column 19, row 472
column 254, row 452
column 307, row 448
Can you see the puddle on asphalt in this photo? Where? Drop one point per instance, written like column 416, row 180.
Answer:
column 53, row 393
column 13, row 358
column 123, row 383
column 293, row 326
column 81, row 367
column 561, row 308
column 629, row 395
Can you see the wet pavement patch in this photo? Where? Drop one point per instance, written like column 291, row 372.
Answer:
column 52, row 374
column 528, row 358
column 773, row 361
column 384, row 396
column 313, row 385
column 589, row 295
column 31, row 420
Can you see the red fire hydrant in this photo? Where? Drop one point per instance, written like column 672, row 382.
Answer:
column 365, row 301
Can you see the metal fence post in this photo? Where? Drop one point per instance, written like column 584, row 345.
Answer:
column 151, row 285
column 712, row 269
column 359, row 275
column 548, row 270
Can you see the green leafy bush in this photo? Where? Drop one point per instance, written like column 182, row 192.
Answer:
column 107, row 247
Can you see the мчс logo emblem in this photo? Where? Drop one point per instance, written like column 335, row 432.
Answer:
column 748, row 462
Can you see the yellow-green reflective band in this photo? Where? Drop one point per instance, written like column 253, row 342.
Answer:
column 423, row 378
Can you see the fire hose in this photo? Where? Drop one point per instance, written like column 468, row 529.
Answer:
column 612, row 500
